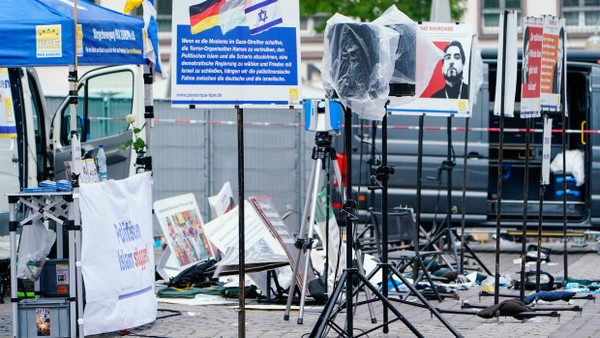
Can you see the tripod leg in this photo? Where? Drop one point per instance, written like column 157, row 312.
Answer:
column 476, row 258
column 328, row 309
column 387, row 304
column 425, row 302
column 431, row 244
column 359, row 265
column 301, row 235
column 311, row 226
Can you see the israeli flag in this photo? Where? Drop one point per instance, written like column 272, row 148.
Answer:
column 263, row 15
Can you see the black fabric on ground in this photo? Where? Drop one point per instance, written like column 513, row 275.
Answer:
column 510, row 307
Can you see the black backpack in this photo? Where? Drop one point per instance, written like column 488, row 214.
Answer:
column 197, row 275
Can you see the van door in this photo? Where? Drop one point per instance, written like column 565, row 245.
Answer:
column 24, row 156
column 106, row 97
column 9, row 155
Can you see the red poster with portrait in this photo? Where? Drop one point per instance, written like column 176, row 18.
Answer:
column 533, row 31
column 448, row 92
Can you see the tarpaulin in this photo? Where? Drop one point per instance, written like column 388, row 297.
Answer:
column 46, row 35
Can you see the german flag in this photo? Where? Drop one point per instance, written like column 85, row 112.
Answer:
column 205, row 15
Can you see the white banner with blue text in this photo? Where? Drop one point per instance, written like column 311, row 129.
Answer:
column 117, row 258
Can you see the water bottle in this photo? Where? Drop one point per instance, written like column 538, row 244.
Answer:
column 102, row 164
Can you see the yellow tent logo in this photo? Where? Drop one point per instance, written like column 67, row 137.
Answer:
column 48, row 38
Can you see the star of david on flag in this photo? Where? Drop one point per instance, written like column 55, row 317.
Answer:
column 263, row 15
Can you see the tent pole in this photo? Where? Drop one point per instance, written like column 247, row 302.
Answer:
column 148, row 116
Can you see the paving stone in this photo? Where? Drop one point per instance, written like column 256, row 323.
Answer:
column 222, row 321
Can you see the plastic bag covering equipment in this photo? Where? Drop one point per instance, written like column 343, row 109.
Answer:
column 575, row 160
column 416, row 55
column 358, row 64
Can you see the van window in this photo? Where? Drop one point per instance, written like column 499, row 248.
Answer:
column 39, row 129
column 104, row 102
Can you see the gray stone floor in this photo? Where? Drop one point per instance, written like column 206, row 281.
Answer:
column 221, row 320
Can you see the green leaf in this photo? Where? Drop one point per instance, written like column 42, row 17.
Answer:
column 139, row 143
column 136, row 130
column 123, row 146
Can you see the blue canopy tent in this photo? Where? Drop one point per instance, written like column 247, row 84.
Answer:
column 45, row 36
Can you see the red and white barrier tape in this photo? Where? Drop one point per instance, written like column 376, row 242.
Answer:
column 293, row 124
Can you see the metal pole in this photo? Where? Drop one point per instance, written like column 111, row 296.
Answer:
column 13, row 224
column 301, row 236
column 327, row 211
column 419, row 187
column 564, row 195
column 464, row 200
column 449, row 165
column 525, row 202
column 311, row 226
column 242, row 246
column 500, row 150
column 349, row 209
column 384, row 220
column 148, row 114
column 540, row 221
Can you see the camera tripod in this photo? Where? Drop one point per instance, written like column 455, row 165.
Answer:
column 327, row 317
column 322, row 152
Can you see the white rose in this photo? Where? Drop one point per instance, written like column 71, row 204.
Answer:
column 130, row 118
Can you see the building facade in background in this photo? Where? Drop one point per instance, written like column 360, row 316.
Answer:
column 582, row 18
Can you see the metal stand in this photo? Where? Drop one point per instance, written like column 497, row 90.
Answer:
column 447, row 233
column 500, row 159
column 241, row 226
column 525, row 209
column 57, row 206
column 327, row 317
column 538, row 260
column 321, row 152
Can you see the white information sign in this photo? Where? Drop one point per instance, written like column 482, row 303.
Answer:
column 234, row 52
column 504, row 100
column 448, row 90
column 546, row 150
column 117, row 257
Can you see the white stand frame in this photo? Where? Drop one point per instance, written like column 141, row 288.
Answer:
column 60, row 207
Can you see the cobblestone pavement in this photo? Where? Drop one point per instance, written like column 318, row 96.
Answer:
column 221, row 320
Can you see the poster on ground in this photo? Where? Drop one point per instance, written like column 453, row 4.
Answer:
column 263, row 251
column 117, row 254
column 533, row 31
column 448, row 90
column 334, row 245
column 181, row 223
column 235, row 52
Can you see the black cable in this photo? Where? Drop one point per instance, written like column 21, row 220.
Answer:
column 129, row 333
column 172, row 314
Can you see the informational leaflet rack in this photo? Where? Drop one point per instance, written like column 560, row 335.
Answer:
column 57, row 206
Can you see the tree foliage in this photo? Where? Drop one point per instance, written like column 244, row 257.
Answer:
column 418, row 10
